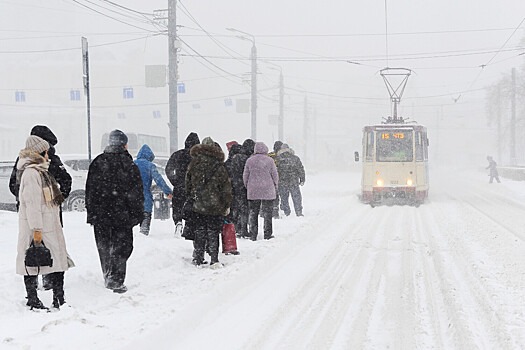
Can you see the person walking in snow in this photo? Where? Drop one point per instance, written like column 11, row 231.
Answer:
column 233, row 150
column 240, row 196
column 56, row 169
column 493, row 170
column 148, row 173
column 291, row 176
column 114, row 204
column 261, row 179
column 176, row 169
column 208, row 184
column 39, row 222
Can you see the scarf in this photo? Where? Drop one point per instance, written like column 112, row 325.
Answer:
column 50, row 189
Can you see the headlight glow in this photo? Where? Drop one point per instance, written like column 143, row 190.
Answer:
column 379, row 182
column 409, row 182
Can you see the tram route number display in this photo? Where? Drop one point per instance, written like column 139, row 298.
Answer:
column 392, row 135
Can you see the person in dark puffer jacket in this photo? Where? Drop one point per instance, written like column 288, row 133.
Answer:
column 176, row 169
column 149, row 172
column 240, row 199
column 208, row 183
column 114, row 203
column 291, row 176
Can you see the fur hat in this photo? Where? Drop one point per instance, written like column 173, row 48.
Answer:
column 37, row 144
column 45, row 133
column 208, row 141
column 117, row 138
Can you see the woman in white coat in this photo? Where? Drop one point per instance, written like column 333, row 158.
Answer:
column 39, row 220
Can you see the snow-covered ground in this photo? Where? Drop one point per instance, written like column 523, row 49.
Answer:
column 447, row 275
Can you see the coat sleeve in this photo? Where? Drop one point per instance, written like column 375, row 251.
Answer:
column 275, row 175
column 13, row 186
column 300, row 171
column 246, row 173
column 159, row 180
column 136, row 196
column 61, row 176
column 30, row 196
column 170, row 170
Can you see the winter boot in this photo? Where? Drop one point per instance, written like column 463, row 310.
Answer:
column 58, row 290
column 178, row 229
column 31, row 283
column 145, row 224
column 46, row 282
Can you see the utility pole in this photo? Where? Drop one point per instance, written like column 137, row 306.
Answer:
column 85, row 79
column 513, row 120
column 498, row 116
column 173, row 74
column 280, row 124
column 254, row 91
column 305, row 129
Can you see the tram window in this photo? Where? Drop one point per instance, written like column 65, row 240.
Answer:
column 425, row 145
column 369, row 151
column 394, row 146
column 420, row 147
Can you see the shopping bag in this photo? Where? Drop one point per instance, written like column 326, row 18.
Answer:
column 229, row 239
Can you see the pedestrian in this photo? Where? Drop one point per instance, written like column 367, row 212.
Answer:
column 261, row 179
column 148, row 173
column 39, row 222
column 233, row 150
column 291, row 176
column 276, row 148
column 208, row 185
column 56, row 169
column 493, row 171
column 240, row 196
column 114, row 204
column 176, row 169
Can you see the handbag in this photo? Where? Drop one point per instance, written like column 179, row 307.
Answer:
column 37, row 256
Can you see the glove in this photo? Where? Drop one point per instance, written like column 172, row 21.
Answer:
column 37, row 236
column 301, row 183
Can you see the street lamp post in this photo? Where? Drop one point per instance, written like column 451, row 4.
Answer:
column 253, row 58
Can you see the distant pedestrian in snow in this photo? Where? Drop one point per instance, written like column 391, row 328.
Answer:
column 240, row 198
column 493, row 171
column 114, row 203
column 233, row 150
column 291, row 176
column 208, row 183
column 56, row 169
column 39, row 221
column 176, row 169
column 149, row 172
column 261, row 180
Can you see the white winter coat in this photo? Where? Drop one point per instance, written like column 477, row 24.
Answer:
column 34, row 213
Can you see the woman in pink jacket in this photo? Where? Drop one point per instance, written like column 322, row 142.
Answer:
column 261, row 179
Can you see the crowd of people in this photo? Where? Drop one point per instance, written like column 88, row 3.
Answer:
column 208, row 191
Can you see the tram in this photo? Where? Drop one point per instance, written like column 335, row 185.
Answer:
column 395, row 154
column 395, row 163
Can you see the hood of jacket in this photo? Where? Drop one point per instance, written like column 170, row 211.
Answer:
column 208, row 151
column 260, row 148
column 191, row 140
column 248, row 146
column 145, row 152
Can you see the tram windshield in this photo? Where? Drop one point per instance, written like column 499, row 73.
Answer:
column 394, row 146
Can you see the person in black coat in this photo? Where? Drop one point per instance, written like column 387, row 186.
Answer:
column 114, row 204
column 234, row 150
column 240, row 196
column 56, row 169
column 291, row 176
column 176, row 169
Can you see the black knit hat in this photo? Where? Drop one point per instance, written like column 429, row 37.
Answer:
column 117, row 138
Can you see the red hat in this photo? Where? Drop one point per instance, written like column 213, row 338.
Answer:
column 230, row 144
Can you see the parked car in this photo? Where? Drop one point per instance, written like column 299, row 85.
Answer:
column 7, row 200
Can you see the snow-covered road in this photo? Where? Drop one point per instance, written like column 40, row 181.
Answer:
column 447, row 275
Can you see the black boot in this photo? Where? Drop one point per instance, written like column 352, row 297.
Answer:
column 145, row 224
column 58, row 289
column 31, row 283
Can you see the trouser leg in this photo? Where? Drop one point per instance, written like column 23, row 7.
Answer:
column 58, row 288
column 244, row 214
column 176, row 206
column 121, row 249
column 253, row 219
column 275, row 210
column 284, row 193
column 297, row 199
column 267, row 208
column 146, row 223
column 199, row 243
column 102, row 238
column 214, row 228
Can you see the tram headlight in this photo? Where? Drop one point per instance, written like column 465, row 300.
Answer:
column 379, row 182
column 409, row 182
